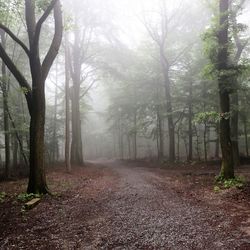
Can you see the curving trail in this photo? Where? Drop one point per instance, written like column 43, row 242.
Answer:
column 116, row 206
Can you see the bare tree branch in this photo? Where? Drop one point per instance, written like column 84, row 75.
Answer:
column 15, row 38
column 88, row 88
column 42, row 20
column 18, row 75
column 57, row 39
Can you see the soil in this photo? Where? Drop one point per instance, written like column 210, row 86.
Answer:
column 135, row 205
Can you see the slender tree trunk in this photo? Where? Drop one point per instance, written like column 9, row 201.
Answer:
column 217, row 143
column 185, row 145
column 240, row 46
column 227, row 167
column 160, row 134
column 190, row 125
column 171, row 127
column 120, row 138
column 129, row 147
column 135, row 134
column 18, row 139
column 76, row 145
column 15, row 152
column 67, row 107
column 178, row 144
column 246, row 137
column 234, row 128
column 54, row 139
column 5, row 108
column 197, row 144
column 205, row 141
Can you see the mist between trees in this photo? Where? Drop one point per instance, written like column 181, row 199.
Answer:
column 158, row 80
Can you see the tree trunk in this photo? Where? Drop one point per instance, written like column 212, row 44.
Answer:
column 240, row 46
column 178, row 144
column 120, row 138
column 129, row 147
column 246, row 137
column 37, row 179
column 18, row 139
column 227, row 167
column 54, row 139
column 217, row 142
column 190, row 125
column 234, row 128
column 76, row 145
column 197, row 144
column 171, row 128
column 35, row 95
column 160, row 134
column 205, row 141
column 5, row 108
column 15, row 152
column 67, row 107
column 135, row 134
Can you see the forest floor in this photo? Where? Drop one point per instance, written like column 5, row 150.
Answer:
column 121, row 205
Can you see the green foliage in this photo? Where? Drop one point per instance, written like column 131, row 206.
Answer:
column 207, row 117
column 42, row 4
column 211, row 44
column 24, row 197
column 216, row 189
column 68, row 23
column 10, row 11
column 24, row 90
column 238, row 182
column 2, row 196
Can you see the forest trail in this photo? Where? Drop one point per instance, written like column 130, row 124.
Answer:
column 115, row 205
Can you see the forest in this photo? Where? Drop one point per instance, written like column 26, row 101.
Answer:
column 124, row 124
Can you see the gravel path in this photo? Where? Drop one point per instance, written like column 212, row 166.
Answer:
column 125, row 208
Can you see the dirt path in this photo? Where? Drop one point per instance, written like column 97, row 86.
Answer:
column 113, row 206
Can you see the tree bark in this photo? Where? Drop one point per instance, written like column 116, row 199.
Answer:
column 234, row 128
column 5, row 91
column 160, row 134
column 227, row 167
column 171, row 127
column 37, row 180
column 55, row 149
column 15, row 152
column 217, row 142
column 35, row 95
column 135, row 134
column 76, row 145
column 67, row 106
column 205, row 141
column 190, row 125
column 240, row 46
column 197, row 143
column 246, row 137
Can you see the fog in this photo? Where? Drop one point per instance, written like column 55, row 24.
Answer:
column 140, row 76
column 121, row 42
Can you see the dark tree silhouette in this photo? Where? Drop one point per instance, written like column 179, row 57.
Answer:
column 35, row 94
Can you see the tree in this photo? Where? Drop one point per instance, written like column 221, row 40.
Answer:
column 5, row 90
column 227, row 167
column 84, row 21
column 35, row 94
column 160, row 37
column 6, row 17
column 240, row 44
column 67, row 106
